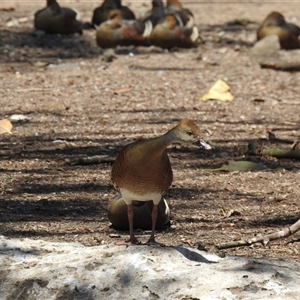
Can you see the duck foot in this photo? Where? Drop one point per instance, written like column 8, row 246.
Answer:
column 127, row 243
column 152, row 242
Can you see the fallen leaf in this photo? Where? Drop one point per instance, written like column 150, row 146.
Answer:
column 233, row 212
column 18, row 118
column 239, row 166
column 12, row 22
column 109, row 55
column 41, row 64
column 219, row 91
column 121, row 91
column 9, row 8
column 23, row 20
column 5, row 126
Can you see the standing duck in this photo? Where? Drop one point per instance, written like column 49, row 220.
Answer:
column 287, row 33
column 56, row 19
column 119, row 32
column 101, row 13
column 142, row 171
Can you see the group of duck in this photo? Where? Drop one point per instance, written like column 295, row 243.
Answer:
column 166, row 26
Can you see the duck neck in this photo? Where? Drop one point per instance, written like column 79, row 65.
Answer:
column 51, row 2
column 115, row 21
column 117, row 3
column 158, row 5
column 167, row 139
column 174, row 4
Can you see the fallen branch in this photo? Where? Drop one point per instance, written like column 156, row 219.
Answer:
column 261, row 149
column 280, row 65
column 264, row 239
column 97, row 159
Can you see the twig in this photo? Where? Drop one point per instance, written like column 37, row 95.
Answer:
column 280, row 65
column 264, row 239
column 233, row 244
column 97, row 159
column 272, row 138
column 260, row 149
column 281, row 153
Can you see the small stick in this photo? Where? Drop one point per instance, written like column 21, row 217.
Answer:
column 97, row 159
column 281, row 65
column 264, row 239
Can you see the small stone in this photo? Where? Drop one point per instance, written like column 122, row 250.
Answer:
column 266, row 47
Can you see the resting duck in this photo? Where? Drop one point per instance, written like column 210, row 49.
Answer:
column 101, row 14
column 56, row 19
column 169, row 33
column 117, row 214
column 158, row 12
column 184, row 15
column 119, row 32
column 287, row 33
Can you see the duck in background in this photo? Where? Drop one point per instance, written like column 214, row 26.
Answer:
column 170, row 33
column 56, row 19
column 156, row 14
column 101, row 14
column 173, row 25
column 287, row 33
column 184, row 15
column 117, row 31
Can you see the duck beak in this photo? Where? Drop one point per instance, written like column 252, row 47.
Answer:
column 204, row 145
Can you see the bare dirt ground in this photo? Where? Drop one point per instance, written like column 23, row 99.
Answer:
column 79, row 105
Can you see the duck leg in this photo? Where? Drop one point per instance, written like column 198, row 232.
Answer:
column 132, row 239
column 151, row 240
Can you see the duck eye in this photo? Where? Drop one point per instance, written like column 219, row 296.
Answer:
column 189, row 133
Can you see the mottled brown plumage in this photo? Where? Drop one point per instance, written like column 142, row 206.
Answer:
column 56, row 19
column 142, row 171
column 119, row 32
column 287, row 33
column 171, row 33
column 183, row 15
column 174, row 5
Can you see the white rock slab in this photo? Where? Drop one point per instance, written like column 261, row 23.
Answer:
column 36, row 269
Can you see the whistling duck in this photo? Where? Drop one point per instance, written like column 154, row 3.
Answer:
column 156, row 14
column 169, row 33
column 119, row 32
column 101, row 14
column 56, row 19
column 142, row 170
column 287, row 33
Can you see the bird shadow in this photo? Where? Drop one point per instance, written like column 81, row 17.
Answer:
column 192, row 255
column 27, row 43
